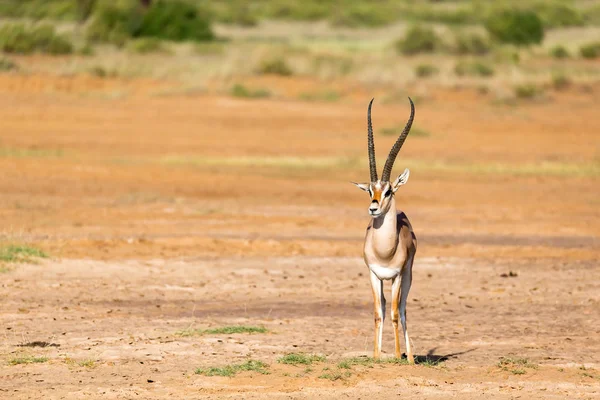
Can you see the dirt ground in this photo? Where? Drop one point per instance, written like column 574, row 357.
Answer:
column 163, row 213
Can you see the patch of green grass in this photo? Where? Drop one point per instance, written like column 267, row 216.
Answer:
column 426, row 70
column 146, row 45
column 559, row 52
column 369, row 362
column 528, row 91
column 8, row 65
column 590, row 50
column 560, row 81
column 101, row 72
column 325, row 96
column 225, row 330
column 396, row 130
column 275, row 66
column 300, row 358
column 28, row 360
column 473, row 68
column 242, row 91
column 289, row 162
column 233, row 369
column 29, row 153
column 26, row 39
column 20, row 254
column 87, row 363
column 515, row 366
column 335, row 375
column 418, row 40
column 472, row 43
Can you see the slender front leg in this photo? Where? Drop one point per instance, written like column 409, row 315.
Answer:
column 395, row 304
column 379, row 311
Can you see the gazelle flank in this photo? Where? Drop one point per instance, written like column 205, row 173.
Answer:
column 390, row 243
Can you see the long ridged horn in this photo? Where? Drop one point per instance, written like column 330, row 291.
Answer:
column 372, row 164
column 389, row 163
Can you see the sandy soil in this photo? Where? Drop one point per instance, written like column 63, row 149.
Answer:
column 160, row 215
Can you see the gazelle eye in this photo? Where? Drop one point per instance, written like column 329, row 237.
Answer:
column 388, row 193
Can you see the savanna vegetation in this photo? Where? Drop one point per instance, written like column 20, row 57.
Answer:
column 507, row 43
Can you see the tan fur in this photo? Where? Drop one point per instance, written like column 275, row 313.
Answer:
column 390, row 245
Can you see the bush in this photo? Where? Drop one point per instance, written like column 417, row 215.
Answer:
column 426, row 70
column 591, row 50
column 7, row 65
column 114, row 23
column 419, row 40
column 173, row 20
column 22, row 39
column 363, row 15
column 559, row 52
column 472, row 44
column 527, row 91
column 299, row 11
column 145, row 46
column 240, row 90
column 276, row 66
column 39, row 9
column 519, row 27
column 465, row 68
column 591, row 15
column 560, row 82
column 557, row 15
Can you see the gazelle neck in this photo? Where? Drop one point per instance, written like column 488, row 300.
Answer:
column 385, row 236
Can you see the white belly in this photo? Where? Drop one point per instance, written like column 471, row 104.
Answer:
column 384, row 272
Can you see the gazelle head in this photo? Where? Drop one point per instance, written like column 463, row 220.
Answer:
column 382, row 190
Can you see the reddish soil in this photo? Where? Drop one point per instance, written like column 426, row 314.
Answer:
column 149, row 236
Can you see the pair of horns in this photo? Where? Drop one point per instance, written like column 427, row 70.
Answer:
column 389, row 163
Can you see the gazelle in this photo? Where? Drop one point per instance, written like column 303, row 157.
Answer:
column 390, row 243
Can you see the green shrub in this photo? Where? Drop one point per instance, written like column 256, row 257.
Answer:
column 591, row 50
column 7, row 65
column 299, row 11
column 276, row 66
column 426, row 70
column 39, row 9
column 175, row 20
column 473, row 68
column 560, row 82
column 22, row 39
column 363, row 14
column 145, row 46
column 559, row 52
column 86, row 50
column 557, row 15
column 591, row 15
column 101, row 72
column 114, row 23
column 472, row 43
column 419, row 40
column 326, row 95
column 519, row 27
column 240, row 90
column 527, row 91
column 239, row 14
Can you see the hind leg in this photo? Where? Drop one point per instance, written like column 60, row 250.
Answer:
column 405, row 288
column 395, row 314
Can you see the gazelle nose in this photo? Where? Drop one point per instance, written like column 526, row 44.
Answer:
column 374, row 206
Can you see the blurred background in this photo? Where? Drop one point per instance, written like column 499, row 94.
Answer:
column 169, row 166
column 128, row 119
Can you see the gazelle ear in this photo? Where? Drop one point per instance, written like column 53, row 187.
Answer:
column 362, row 186
column 401, row 180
